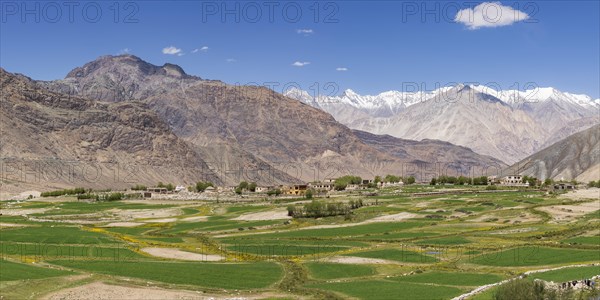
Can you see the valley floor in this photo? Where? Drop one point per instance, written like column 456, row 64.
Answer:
column 402, row 244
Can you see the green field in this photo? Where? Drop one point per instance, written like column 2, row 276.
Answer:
column 537, row 256
column 19, row 271
column 447, row 278
column 566, row 274
column 54, row 235
column 212, row 275
column 320, row 270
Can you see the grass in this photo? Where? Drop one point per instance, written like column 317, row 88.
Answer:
column 217, row 225
column 452, row 240
column 54, row 235
column 335, row 271
column 44, row 252
column 379, row 289
column 584, row 240
column 567, row 274
column 456, row 279
column 536, row 256
column 357, row 230
column 17, row 271
column 396, row 255
column 211, row 275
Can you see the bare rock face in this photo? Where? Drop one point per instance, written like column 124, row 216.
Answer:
column 49, row 137
column 575, row 157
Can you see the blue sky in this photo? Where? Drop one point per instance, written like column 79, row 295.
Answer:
column 367, row 46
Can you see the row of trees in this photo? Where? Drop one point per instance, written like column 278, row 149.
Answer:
column 244, row 185
column 57, row 193
column 169, row 186
column 106, row 197
column 460, row 180
column 342, row 182
column 318, row 209
column 594, row 184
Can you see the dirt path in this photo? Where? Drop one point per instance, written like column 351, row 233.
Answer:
column 100, row 290
column 182, row 255
column 354, row 260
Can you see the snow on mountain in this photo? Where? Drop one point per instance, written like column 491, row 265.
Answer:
column 506, row 124
column 396, row 101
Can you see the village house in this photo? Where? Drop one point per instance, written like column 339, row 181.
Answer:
column 296, row 189
column 513, row 180
column 264, row 189
column 157, row 190
column 563, row 186
column 322, row 186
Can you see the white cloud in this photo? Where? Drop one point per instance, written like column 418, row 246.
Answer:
column 300, row 63
column 230, row 60
column 341, row 69
column 489, row 14
column 171, row 50
column 305, row 31
column 203, row 49
column 124, row 51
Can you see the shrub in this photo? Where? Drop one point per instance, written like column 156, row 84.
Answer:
column 524, row 289
column 138, row 187
column 201, row 186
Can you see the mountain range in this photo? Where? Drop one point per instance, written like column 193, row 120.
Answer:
column 180, row 128
column 508, row 125
column 118, row 121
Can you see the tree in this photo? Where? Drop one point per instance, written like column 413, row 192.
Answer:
column 309, row 194
column 433, row 181
column 391, row 178
column 410, row 180
column 275, row 192
column 160, row 184
column 548, row 182
column 290, row 210
column 342, row 182
column 201, row 186
column 377, row 179
column 238, row 190
column 252, row 186
column 170, row 187
column 243, row 185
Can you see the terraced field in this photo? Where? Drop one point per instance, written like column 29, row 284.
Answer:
column 398, row 246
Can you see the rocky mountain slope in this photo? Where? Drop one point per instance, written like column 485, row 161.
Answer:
column 547, row 115
column 575, row 157
column 54, row 140
column 434, row 155
column 236, row 133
